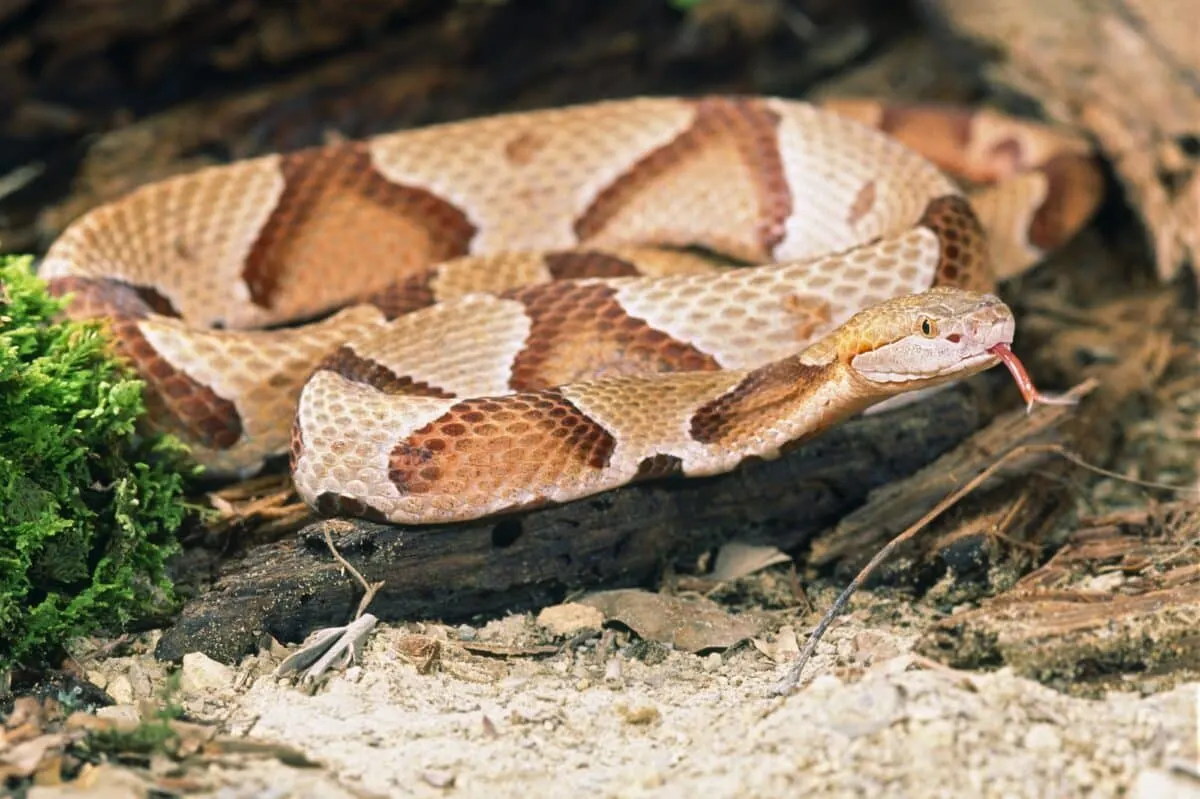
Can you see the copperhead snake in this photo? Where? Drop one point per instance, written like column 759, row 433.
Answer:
column 489, row 315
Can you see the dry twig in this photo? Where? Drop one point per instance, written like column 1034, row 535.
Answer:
column 340, row 645
column 792, row 678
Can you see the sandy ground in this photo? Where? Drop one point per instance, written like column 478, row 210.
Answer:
column 870, row 720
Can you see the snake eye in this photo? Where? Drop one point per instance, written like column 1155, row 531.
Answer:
column 928, row 327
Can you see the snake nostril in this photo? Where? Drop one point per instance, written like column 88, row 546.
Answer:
column 954, row 338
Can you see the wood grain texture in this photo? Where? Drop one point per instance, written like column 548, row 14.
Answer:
column 1054, row 626
column 622, row 538
column 1126, row 72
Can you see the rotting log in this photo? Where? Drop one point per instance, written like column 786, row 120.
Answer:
column 1078, row 321
column 1108, row 595
column 891, row 508
column 628, row 537
column 618, row 539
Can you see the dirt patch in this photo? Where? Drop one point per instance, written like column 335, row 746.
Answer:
column 873, row 720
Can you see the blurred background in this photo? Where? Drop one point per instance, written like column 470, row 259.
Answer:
column 97, row 96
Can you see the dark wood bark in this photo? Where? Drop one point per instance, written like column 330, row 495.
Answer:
column 99, row 97
column 622, row 538
column 1121, row 597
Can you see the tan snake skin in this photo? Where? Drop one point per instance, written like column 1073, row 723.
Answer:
column 489, row 315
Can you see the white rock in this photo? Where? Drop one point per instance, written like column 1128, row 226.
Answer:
column 202, row 674
column 1156, row 783
column 119, row 713
column 120, row 688
column 1043, row 738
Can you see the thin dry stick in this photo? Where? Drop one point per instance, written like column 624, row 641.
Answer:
column 792, row 679
column 369, row 589
column 1081, row 463
column 334, row 643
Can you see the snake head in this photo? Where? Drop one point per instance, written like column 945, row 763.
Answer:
column 920, row 340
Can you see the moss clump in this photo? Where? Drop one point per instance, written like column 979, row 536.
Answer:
column 88, row 509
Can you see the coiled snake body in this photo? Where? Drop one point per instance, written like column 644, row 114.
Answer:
column 482, row 316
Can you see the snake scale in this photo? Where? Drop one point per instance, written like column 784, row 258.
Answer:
column 493, row 314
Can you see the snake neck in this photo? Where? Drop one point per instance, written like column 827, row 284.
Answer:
column 792, row 399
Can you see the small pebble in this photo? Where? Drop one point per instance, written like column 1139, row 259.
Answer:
column 121, row 689
column 201, row 674
column 439, row 778
column 119, row 713
column 1043, row 738
column 825, row 683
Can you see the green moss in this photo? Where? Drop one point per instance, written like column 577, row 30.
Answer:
column 88, row 509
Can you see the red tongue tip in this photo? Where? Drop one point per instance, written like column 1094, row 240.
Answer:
column 1024, row 382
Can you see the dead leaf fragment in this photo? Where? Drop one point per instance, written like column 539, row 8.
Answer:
column 739, row 559
column 691, row 625
column 507, row 650
column 422, row 651
column 26, row 710
column 639, row 716
column 104, row 781
column 489, row 727
column 783, row 648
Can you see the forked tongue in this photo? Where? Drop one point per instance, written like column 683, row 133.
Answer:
column 1024, row 382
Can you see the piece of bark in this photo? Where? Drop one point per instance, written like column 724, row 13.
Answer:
column 618, row 539
column 1125, row 71
column 893, row 507
column 1122, row 596
column 1074, row 325
column 1058, row 624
